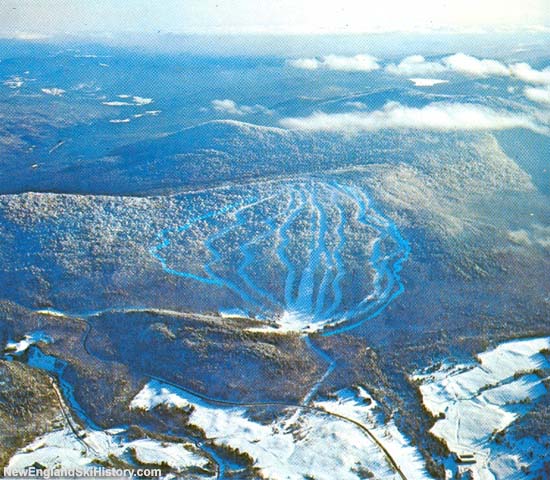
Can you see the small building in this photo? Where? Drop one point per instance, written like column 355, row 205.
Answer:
column 464, row 458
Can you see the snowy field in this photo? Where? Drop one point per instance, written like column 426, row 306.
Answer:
column 62, row 449
column 475, row 402
column 325, row 442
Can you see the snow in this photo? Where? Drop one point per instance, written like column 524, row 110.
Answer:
column 292, row 321
column 142, row 100
column 361, row 407
column 61, row 449
column 508, row 461
column 136, row 101
column 56, row 92
column 233, row 313
column 150, row 113
column 117, row 103
column 28, row 340
column 427, row 82
column 155, row 393
column 52, row 313
column 176, row 455
column 449, row 385
column 316, row 444
column 14, row 82
column 485, row 397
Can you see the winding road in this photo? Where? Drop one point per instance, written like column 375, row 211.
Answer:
column 311, row 287
column 304, row 405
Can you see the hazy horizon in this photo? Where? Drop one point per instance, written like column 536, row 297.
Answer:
column 18, row 17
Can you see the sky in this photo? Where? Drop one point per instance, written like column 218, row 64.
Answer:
column 35, row 18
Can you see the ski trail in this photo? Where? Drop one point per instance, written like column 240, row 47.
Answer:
column 281, row 251
column 315, row 388
column 380, row 265
column 331, row 367
column 164, row 241
column 248, row 257
column 318, row 214
column 216, row 255
column 325, row 254
column 377, row 262
column 304, row 299
column 338, row 261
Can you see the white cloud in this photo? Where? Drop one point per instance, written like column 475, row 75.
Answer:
column 56, row 92
column 357, row 105
column 357, row 63
column 539, row 95
column 416, row 65
column 27, row 36
column 305, row 63
column 476, row 67
column 226, row 106
column 459, row 62
column 231, row 107
column 435, row 117
column 542, row 235
column 470, row 66
column 539, row 235
column 519, row 237
column 528, row 74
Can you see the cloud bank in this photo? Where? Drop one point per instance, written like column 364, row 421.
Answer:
column 26, row 36
column 527, row 74
column 440, row 117
column 357, row 63
column 475, row 67
column 470, row 66
column 460, row 62
column 539, row 95
column 232, row 108
column 416, row 65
